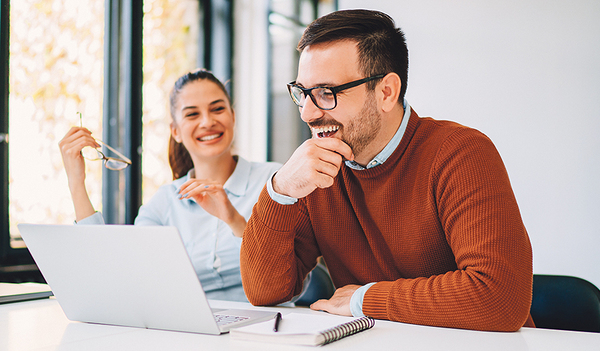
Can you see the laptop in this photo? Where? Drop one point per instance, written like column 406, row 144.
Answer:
column 17, row 292
column 136, row 276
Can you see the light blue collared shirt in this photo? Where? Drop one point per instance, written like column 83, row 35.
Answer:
column 210, row 243
column 356, row 301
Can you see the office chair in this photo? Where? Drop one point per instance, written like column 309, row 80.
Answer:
column 565, row 302
column 317, row 285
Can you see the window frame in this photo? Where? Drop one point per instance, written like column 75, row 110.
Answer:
column 122, row 110
column 123, row 80
column 296, row 128
column 13, row 261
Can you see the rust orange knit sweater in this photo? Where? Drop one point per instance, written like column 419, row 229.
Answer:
column 437, row 226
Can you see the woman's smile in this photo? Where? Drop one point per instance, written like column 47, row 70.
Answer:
column 210, row 137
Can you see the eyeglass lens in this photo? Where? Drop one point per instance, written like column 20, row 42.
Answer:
column 93, row 154
column 115, row 165
column 324, row 98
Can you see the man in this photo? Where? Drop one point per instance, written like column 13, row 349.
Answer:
column 414, row 217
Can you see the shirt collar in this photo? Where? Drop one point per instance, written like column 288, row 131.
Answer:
column 238, row 181
column 388, row 150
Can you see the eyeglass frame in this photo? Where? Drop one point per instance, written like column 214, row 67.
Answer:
column 124, row 159
column 334, row 90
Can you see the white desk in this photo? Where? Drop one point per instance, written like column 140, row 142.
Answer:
column 42, row 326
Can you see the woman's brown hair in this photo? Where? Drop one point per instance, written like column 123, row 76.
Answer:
column 179, row 158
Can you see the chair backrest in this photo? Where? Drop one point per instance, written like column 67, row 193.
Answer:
column 317, row 285
column 565, row 302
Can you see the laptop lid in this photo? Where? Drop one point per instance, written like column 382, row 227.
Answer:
column 126, row 275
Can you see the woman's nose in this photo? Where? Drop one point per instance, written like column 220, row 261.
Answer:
column 206, row 120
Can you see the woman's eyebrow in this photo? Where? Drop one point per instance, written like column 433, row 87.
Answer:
column 188, row 108
column 217, row 101
column 194, row 106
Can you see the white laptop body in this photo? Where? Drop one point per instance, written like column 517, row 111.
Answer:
column 138, row 276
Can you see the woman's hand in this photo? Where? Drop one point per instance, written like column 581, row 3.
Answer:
column 213, row 199
column 70, row 149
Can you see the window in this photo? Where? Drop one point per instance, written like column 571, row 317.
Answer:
column 60, row 57
column 55, row 58
column 287, row 21
column 56, row 70
column 171, row 48
column 174, row 43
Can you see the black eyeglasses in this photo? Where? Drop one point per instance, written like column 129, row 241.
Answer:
column 324, row 98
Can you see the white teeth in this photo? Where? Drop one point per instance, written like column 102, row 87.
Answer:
column 210, row 137
column 327, row 129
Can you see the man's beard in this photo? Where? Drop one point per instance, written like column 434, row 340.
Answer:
column 363, row 128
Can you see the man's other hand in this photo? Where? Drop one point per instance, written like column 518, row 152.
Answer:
column 339, row 303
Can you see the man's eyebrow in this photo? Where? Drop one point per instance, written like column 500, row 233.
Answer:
column 325, row 85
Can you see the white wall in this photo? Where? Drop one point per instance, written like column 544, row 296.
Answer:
column 527, row 74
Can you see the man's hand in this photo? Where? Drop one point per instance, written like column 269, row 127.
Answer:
column 339, row 303
column 313, row 165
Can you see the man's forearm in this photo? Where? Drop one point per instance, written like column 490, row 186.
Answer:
column 267, row 261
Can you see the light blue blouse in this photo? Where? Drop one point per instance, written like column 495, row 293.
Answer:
column 210, row 243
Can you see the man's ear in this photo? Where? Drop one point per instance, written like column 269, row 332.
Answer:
column 390, row 88
column 175, row 132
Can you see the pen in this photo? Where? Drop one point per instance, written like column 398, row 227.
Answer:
column 277, row 319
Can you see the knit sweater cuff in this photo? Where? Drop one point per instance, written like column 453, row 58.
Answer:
column 375, row 301
column 274, row 215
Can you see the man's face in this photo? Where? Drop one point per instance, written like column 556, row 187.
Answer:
column 356, row 119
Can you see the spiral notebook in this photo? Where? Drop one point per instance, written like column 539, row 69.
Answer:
column 304, row 329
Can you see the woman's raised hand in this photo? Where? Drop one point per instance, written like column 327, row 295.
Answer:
column 70, row 148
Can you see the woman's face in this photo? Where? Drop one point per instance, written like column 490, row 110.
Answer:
column 204, row 120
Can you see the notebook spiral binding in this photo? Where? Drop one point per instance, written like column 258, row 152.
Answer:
column 347, row 329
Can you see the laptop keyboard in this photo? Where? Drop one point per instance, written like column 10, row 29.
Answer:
column 223, row 319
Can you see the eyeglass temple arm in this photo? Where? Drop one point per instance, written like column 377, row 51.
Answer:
column 339, row 88
column 125, row 158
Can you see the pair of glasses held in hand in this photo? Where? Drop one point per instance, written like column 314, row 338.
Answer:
column 94, row 154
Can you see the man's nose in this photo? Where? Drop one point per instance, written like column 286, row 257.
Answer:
column 310, row 111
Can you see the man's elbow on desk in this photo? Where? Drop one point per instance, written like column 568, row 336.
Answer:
column 266, row 299
column 260, row 292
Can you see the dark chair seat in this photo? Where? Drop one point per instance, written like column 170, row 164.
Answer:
column 565, row 302
column 317, row 285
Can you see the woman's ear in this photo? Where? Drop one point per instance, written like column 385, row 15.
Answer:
column 390, row 88
column 175, row 132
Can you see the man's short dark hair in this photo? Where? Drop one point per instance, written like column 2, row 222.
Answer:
column 381, row 46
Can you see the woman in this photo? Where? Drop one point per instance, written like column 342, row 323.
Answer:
column 213, row 192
